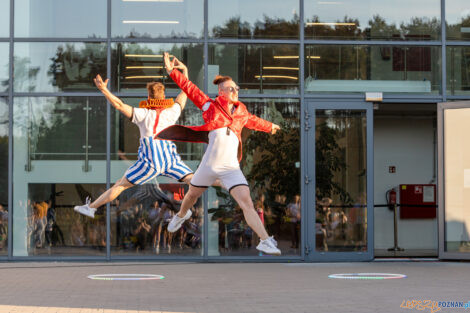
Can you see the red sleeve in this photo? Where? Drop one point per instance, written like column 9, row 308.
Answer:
column 191, row 90
column 258, row 124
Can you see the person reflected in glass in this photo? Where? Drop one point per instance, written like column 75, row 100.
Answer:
column 155, row 157
column 225, row 117
column 293, row 219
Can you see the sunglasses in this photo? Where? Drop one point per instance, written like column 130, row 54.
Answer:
column 233, row 89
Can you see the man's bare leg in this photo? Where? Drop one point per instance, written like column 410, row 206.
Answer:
column 112, row 193
column 241, row 194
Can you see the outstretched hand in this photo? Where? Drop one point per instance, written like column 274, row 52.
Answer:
column 275, row 128
column 100, row 84
column 180, row 65
column 169, row 65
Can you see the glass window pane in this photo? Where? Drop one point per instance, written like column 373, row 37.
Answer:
column 456, row 169
column 276, row 19
column 57, row 18
column 372, row 68
column 4, row 69
column 4, row 18
column 51, row 67
column 157, row 19
column 458, row 19
column 458, row 70
column 134, row 65
column 59, row 159
column 376, row 20
column 277, row 199
column 140, row 215
column 341, row 182
column 256, row 68
column 4, row 176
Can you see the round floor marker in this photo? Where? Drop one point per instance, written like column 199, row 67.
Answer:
column 125, row 277
column 367, row 276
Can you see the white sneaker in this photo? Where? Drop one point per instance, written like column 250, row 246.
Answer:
column 177, row 221
column 267, row 246
column 85, row 209
column 273, row 240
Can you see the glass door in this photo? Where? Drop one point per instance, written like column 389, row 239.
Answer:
column 454, row 180
column 339, row 180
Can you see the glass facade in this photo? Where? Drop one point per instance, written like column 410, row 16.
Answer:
column 458, row 20
column 403, row 69
column 56, row 18
column 52, row 67
column 4, row 208
column 136, row 64
column 68, row 143
column 157, row 19
column 373, row 20
column 276, row 197
column 274, row 19
column 59, row 144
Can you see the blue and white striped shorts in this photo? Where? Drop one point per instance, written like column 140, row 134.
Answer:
column 156, row 157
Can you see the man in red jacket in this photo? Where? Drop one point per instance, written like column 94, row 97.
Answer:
column 224, row 120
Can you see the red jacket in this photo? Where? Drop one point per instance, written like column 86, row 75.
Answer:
column 217, row 116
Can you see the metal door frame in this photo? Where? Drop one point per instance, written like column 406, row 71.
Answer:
column 441, row 196
column 309, row 211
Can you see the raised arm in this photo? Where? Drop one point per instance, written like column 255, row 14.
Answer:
column 115, row 101
column 192, row 91
column 260, row 124
column 182, row 97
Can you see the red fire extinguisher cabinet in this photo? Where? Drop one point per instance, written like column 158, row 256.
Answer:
column 417, row 194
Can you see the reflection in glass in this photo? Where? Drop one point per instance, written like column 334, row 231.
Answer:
column 256, row 68
column 51, row 67
column 458, row 70
column 157, row 19
column 139, row 220
column 62, row 128
column 375, row 20
column 456, row 180
column 372, row 68
column 276, row 19
column 458, row 19
column 125, row 134
column 271, row 164
column 52, row 227
column 3, row 176
column 4, row 18
column 134, row 65
column 4, row 70
column 59, row 155
column 341, row 180
column 57, row 18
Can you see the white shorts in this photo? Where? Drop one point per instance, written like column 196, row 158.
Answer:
column 230, row 178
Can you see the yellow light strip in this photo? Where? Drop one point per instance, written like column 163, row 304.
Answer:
column 295, row 57
column 150, row 22
column 133, row 67
column 140, row 77
column 286, row 56
column 152, row 0
column 277, row 76
column 280, row 68
column 330, row 24
column 143, row 56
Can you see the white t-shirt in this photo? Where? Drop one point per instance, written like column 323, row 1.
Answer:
column 222, row 151
column 145, row 119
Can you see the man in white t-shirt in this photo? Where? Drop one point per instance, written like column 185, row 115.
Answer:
column 156, row 157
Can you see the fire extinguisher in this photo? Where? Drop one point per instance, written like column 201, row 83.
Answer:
column 391, row 196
